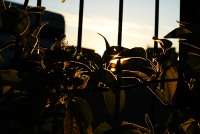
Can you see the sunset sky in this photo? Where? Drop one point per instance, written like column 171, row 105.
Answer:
column 101, row 16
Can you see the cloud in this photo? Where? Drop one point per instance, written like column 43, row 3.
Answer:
column 107, row 25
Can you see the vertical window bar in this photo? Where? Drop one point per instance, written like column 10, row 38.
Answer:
column 80, row 25
column 156, row 26
column 25, row 4
column 120, row 23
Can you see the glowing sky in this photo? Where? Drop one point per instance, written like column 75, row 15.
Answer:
column 101, row 16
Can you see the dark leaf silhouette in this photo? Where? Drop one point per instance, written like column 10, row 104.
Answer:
column 110, row 98
column 107, row 44
column 180, row 32
column 164, row 43
column 38, row 9
column 134, row 52
column 18, row 21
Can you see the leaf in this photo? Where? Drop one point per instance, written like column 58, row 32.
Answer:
column 107, row 44
column 180, row 32
column 102, row 128
column 15, row 21
column 10, row 75
column 141, row 75
column 62, row 1
column 186, row 125
column 164, row 43
column 38, row 29
column 38, row 9
column 110, row 98
column 85, row 111
column 104, row 76
column 95, row 58
column 191, row 63
column 7, row 44
column 6, row 88
column 70, row 124
column 169, row 87
column 85, row 80
column 134, row 52
column 195, row 29
column 135, row 64
column 111, row 52
column 149, row 123
column 132, row 128
column 30, row 42
column 81, row 113
column 160, row 94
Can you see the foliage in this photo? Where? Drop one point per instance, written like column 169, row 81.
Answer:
column 40, row 91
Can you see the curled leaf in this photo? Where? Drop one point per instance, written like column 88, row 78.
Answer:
column 164, row 43
column 106, row 41
column 30, row 42
column 38, row 29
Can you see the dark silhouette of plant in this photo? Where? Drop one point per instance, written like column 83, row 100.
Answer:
column 185, row 118
column 40, row 91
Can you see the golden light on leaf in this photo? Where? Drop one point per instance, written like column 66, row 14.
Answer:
column 114, row 61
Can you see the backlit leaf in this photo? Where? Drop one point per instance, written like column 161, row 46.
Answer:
column 30, row 42
column 169, row 87
column 164, row 43
column 180, row 33
column 185, row 126
column 94, row 58
column 141, row 75
column 104, row 76
column 81, row 113
column 85, row 111
column 102, row 128
column 70, row 124
column 134, row 52
column 135, row 64
column 195, row 29
column 132, row 128
column 10, row 75
column 110, row 98
column 110, row 52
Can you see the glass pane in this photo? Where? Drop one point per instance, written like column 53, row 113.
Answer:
column 101, row 16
